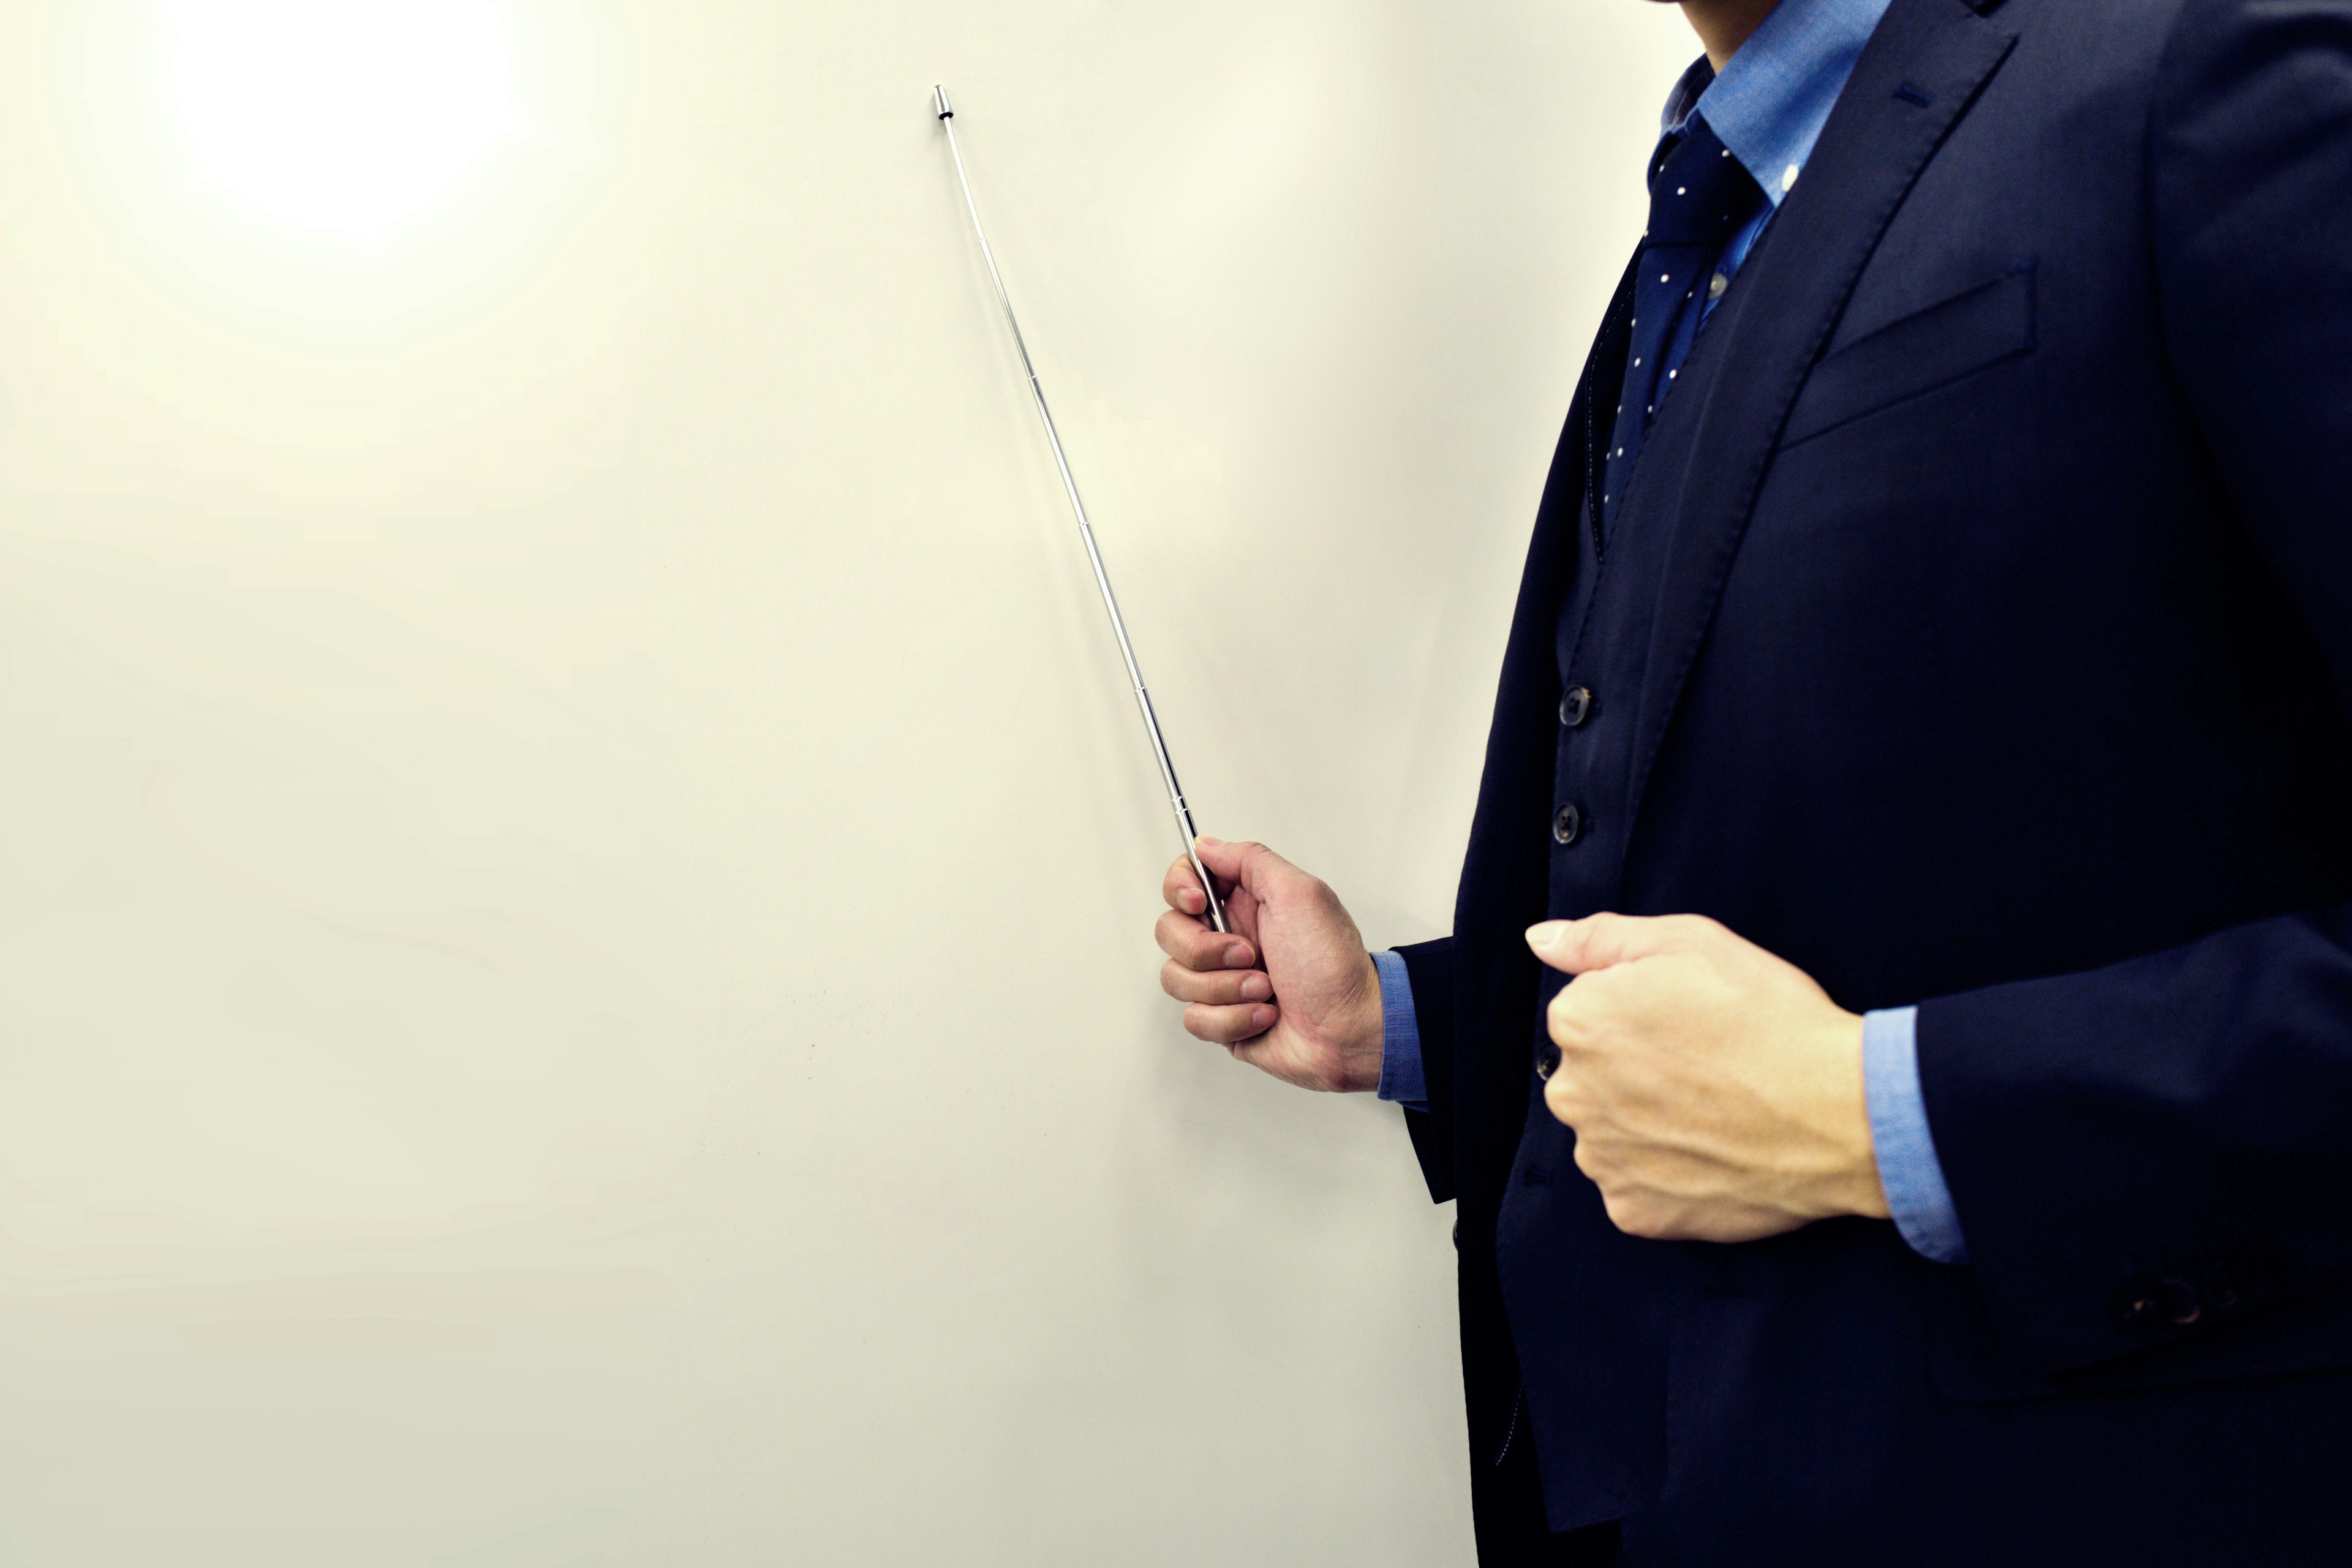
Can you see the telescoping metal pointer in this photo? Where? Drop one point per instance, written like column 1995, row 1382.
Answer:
column 946, row 113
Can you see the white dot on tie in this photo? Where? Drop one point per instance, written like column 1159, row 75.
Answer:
column 1672, row 374
column 1637, row 362
column 1681, row 190
column 1725, row 153
column 1666, row 278
column 1620, row 451
column 1653, row 409
column 1788, row 178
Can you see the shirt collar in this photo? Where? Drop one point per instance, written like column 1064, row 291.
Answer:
column 1771, row 99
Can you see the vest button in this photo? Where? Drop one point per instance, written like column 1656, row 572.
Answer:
column 1576, row 706
column 1546, row 1060
column 1566, row 824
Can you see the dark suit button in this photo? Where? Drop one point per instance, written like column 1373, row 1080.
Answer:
column 2178, row 1301
column 1577, row 706
column 1546, row 1060
column 1566, row 824
column 2135, row 1311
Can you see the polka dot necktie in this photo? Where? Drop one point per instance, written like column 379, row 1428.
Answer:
column 1699, row 197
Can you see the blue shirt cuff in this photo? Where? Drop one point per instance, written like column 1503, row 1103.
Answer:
column 1907, row 1166
column 1401, row 1078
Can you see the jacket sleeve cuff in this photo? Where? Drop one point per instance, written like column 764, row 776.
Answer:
column 1907, row 1166
column 1401, row 1078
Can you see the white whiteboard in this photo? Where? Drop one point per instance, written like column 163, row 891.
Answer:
column 576, row 874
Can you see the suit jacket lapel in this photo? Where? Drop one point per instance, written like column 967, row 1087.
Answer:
column 1692, row 493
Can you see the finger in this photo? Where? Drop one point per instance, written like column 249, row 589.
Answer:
column 1225, row 987
column 1241, row 910
column 1599, row 942
column 1182, row 889
column 1195, row 946
column 1228, row 1025
column 1563, row 1099
column 1253, row 868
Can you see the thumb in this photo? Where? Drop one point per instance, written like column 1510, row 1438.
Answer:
column 1600, row 942
column 1252, row 866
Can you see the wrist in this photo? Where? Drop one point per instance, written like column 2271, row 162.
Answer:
column 1363, row 1041
column 1863, row 1192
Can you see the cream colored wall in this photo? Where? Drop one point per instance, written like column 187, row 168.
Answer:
column 575, row 876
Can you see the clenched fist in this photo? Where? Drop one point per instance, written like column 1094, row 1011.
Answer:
column 1716, row 1090
column 1291, row 989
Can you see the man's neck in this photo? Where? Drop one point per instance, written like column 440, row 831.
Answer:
column 1723, row 26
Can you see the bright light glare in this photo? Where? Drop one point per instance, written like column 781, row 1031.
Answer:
column 341, row 114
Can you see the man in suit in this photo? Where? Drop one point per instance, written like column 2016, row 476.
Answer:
column 1893, row 1053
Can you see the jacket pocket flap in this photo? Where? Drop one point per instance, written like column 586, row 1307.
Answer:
column 1923, row 351
column 2309, row 1334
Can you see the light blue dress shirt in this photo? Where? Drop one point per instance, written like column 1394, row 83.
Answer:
column 1768, row 106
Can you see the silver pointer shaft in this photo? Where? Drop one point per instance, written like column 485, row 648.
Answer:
column 946, row 113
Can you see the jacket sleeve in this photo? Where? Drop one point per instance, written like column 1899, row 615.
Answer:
column 1430, row 965
column 2140, row 1152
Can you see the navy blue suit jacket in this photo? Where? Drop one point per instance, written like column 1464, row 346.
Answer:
column 1977, row 632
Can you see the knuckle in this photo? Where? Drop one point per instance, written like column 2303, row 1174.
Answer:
column 1638, row 1213
column 1597, row 989
column 1632, row 1214
column 1208, row 1022
column 1562, row 1098
column 1588, row 1161
column 1189, row 985
column 1579, row 1024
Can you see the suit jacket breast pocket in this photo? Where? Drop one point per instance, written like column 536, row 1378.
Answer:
column 1958, row 336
